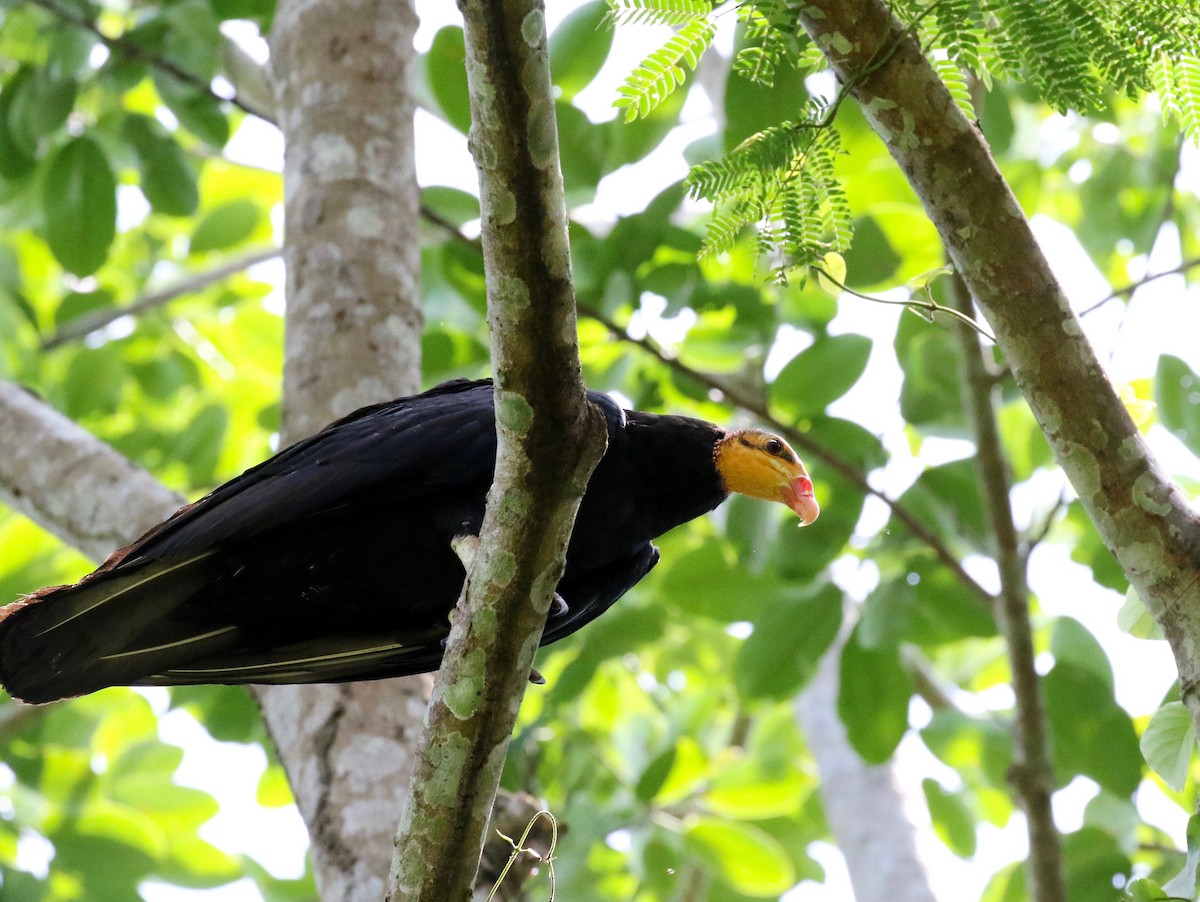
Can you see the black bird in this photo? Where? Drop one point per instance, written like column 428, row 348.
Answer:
column 333, row 560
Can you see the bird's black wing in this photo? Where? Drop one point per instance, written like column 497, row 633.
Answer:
column 132, row 620
column 446, row 436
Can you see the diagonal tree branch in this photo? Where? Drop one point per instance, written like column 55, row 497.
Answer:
column 68, row 481
column 136, row 51
column 1125, row 290
column 1032, row 773
column 1141, row 516
column 85, row 325
column 548, row 441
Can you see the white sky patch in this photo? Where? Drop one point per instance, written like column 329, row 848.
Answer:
column 229, row 771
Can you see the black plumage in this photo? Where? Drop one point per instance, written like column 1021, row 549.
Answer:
column 332, row 560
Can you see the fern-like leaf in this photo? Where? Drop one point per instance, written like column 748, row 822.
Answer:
column 956, row 83
column 660, row 74
column 1187, row 93
column 657, row 12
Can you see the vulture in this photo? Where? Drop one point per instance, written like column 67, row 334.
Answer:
column 334, row 559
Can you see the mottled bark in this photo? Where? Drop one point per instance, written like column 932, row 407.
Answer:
column 549, row 439
column 353, row 338
column 351, row 202
column 69, row 482
column 1141, row 516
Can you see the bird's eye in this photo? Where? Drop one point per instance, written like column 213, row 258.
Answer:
column 774, row 446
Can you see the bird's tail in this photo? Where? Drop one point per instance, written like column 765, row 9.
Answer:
column 71, row 640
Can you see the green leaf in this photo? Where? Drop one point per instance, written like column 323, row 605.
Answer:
column 1092, row 861
column 871, row 260
column 820, row 374
column 41, row 107
column 874, row 689
column 952, row 820
column 1177, row 391
column 168, row 182
column 929, row 393
column 1134, row 619
column 1146, row 890
column 81, row 303
column 458, row 207
column 971, row 745
column 225, row 226
column 654, row 777
column 583, row 150
column 1091, row 734
column 660, row 74
column 707, row 582
column 173, row 807
column 227, row 712
column 199, row 445
column 579, row 47
column 1071, row 643
column 16, row 157
column 947, row 498
column 197, row 111
column 243, row 9
column 95, row 381
column 789, row 638
column 1186, row 884
column 746, row 858
column 1169, row 742
column 446, row 75
column 81, row 206
column 196, row 864
column 754, row 790
column 273, row 788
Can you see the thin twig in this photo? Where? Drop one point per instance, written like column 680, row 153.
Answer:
column 1032, row 773
column 1121, row 292
column 1036, row 536
column 928, row 307
column 93, row 322
column 133, row 50
column 847, row 471
column 519, row 847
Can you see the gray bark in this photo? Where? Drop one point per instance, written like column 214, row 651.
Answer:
column 69, row 482
column 863, row 804
column 353, row 338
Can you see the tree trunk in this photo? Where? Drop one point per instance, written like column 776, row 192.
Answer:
column 353, row 338
column 863, row 804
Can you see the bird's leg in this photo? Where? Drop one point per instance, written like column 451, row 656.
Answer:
column 465, row 547
column 558, row 606
column 536, row 678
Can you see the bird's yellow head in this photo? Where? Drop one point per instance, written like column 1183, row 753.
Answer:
column 761, row 465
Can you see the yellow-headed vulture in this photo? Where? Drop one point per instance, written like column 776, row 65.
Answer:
column 332, row 560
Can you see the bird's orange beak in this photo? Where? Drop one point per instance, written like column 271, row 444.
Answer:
column 798, row 495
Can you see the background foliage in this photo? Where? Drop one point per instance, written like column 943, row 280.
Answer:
column 666, row 737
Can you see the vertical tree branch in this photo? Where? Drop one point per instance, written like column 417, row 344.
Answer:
column 351, row 198
column 880, row 848
column 1032, row 772
column 1141, row 516
column 549, row 439
column 352, row 338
